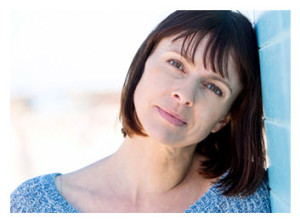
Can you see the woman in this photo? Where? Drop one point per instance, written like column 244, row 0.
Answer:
column 191, row 111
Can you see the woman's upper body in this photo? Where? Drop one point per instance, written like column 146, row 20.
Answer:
column 124, row 182
column 41, row 195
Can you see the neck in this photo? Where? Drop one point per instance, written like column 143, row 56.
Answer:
column 148, row 167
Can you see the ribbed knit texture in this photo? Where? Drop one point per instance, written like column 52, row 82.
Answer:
column 40, row 195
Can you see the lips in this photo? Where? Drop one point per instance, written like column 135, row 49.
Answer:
column 172, row 117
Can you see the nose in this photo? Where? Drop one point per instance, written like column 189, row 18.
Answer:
column 184, row 95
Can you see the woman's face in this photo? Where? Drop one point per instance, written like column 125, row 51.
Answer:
column 179, row 102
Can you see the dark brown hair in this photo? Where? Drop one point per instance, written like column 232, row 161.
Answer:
column 238, row 149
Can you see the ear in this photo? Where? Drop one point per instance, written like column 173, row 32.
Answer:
column 218, row 126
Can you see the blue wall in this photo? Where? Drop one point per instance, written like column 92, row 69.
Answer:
column 273, row 34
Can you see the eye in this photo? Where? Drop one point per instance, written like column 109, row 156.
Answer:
column 176, row 64
column 215, row 89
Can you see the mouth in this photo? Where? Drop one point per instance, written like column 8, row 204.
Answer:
column 171, row 117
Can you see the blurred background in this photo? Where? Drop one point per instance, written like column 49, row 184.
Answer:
column 67, row 71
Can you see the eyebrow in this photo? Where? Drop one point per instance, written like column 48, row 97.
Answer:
column 212, row 76
column 186, row 57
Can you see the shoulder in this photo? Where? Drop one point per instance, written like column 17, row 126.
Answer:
column 214, row 202
column 39, row 194
column 258, row 202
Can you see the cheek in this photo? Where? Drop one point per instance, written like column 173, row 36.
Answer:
column 153, row 84
column 206, row 117
column 158, row 74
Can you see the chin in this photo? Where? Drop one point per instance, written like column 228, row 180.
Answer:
column 164, row 136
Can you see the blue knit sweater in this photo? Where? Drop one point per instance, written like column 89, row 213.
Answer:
column 40, row 195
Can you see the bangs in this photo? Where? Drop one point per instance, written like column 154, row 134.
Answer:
column 216, row 52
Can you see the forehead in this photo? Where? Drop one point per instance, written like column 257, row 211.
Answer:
column 186, row 47
column 208, row 47
column 200, row 51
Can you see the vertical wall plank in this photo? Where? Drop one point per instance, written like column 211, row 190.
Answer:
column 273, row 35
